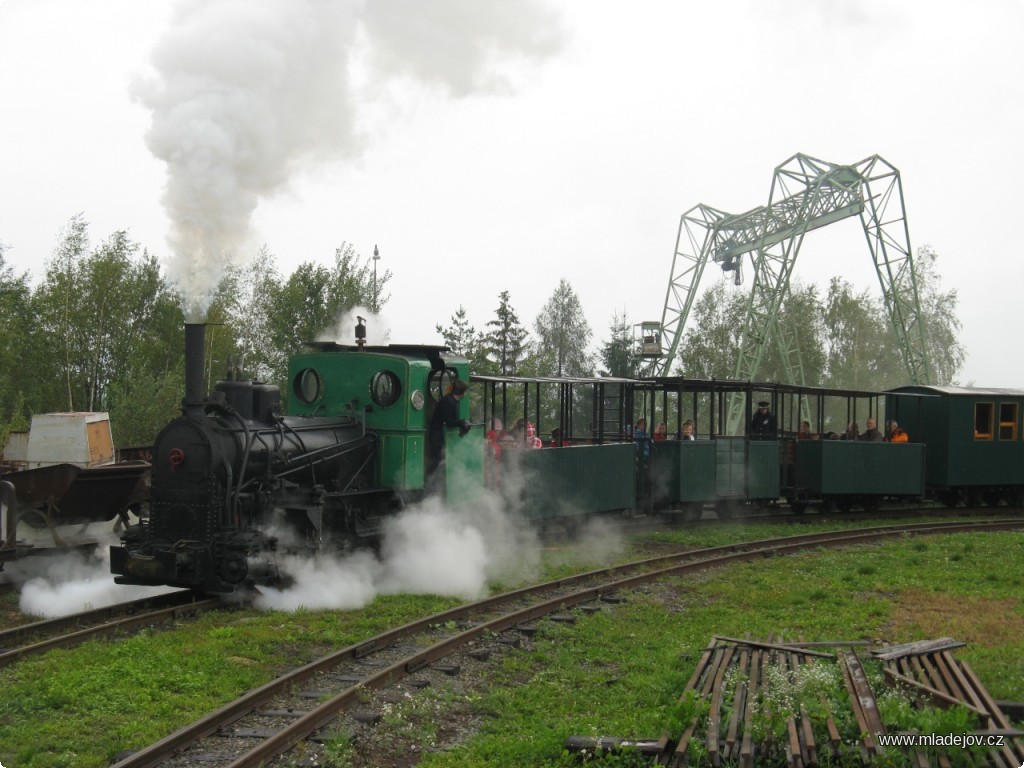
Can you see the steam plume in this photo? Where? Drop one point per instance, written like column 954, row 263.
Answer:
column 248, row 94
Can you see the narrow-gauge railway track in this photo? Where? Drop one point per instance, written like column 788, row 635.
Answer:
column 66, row 631
column 265, row 723
column 784, row 513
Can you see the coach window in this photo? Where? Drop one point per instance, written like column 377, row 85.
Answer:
column 983, row 421
column 1007, row 421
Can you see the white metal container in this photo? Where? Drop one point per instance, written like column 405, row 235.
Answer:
column 83, row 439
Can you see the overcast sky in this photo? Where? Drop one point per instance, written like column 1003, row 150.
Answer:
column 503, row 146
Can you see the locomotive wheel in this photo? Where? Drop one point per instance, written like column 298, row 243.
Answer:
column 826, row 506
column 871, row 504
column 949, row 498
column 844, row 505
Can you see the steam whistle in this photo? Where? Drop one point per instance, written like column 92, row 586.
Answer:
column 360, row 333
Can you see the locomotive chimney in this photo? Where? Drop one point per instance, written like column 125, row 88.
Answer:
column 195, row 340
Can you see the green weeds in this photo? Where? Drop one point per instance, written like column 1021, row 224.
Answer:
column 620, row 672
column 77, row 708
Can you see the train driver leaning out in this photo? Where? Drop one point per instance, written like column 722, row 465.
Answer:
column 446, row 414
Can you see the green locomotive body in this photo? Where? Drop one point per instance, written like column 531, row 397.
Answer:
column 393, row 391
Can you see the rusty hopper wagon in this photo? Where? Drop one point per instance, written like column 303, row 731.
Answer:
column 63, row 472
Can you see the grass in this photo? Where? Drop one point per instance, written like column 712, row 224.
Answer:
column 78, row 708
column 617, row 672
column 620, row 672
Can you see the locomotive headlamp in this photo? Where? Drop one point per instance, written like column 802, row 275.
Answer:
column 416, row 398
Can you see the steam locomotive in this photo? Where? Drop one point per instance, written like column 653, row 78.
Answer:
column 235, row 483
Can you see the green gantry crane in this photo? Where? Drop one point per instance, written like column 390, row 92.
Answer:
column 806, row 194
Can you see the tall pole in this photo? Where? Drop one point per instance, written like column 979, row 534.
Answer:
column 376, row 258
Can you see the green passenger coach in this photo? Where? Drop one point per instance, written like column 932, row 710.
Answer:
column 973, row 436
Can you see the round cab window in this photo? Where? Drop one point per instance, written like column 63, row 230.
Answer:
column 308, row 387
column 440, row 383
column 385, row 388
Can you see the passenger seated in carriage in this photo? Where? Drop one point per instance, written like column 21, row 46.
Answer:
column 556, row 439
column 688, row 430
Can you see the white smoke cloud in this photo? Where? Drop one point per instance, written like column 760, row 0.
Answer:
column 597, row 540
column 248, row 94
column 436, row 549
column 458, row 44
column 343, row 330
column 323, row 583
column 428, row 549
column 431, row 548
column 66, row 584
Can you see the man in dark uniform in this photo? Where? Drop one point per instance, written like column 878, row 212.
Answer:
column 445, row 415
column 763, row 422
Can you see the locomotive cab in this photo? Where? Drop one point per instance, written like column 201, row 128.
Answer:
column 393, row 391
